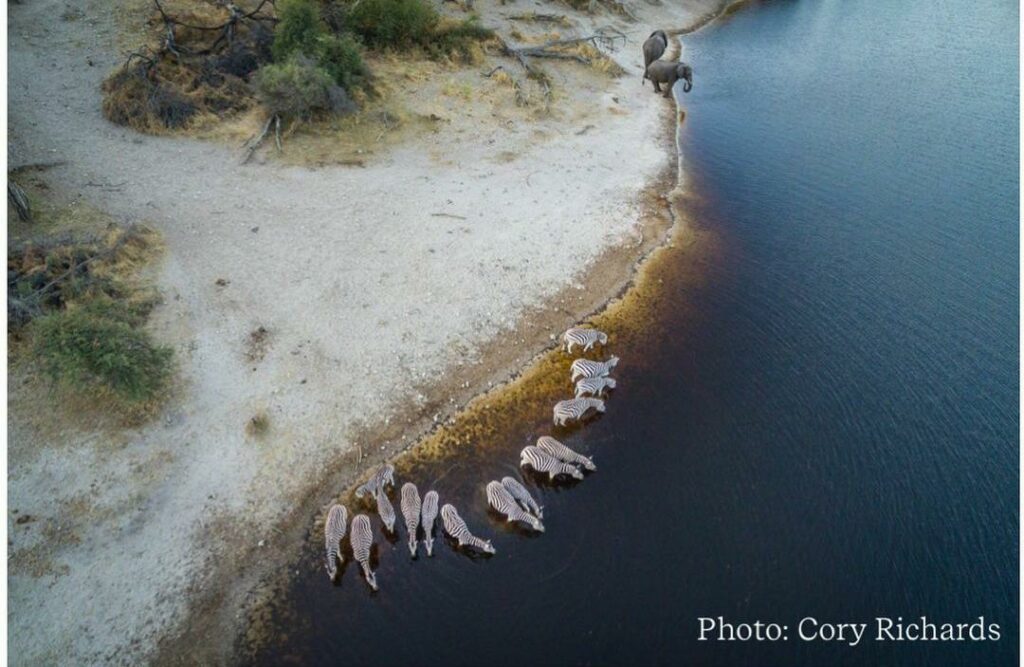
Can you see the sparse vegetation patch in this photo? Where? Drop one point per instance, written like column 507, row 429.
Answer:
column 98, row 346
column 77, row 309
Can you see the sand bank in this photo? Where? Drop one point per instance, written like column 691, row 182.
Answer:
column 392, row 295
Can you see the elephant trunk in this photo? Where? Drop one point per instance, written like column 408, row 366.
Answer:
column 687, row 85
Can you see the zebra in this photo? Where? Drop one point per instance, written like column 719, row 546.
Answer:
column 429, row 509
column 411, row 512
column 541, row 461
column 563, row 453
column 383, row 476
column 334, row 531
column 591, row 369
column 585, row 337
column 522, row 496
column 575, row 409
column 456, row 527
column 386, row 511
column 362, row 541
column 500, row 499
column 594, row 386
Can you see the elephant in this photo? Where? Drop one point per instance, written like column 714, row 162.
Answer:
column 653, row 49
column 668, row 73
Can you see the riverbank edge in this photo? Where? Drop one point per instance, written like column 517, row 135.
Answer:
column 228, row 622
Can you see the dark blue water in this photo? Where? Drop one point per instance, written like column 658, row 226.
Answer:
column 822, row 421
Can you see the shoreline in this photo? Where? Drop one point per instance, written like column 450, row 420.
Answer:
column 622, row 276
column 212, row 565
column 610, row 277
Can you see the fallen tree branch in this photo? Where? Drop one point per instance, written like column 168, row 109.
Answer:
column 604, row 39
column 540, row 18
column 256, row 141
column 19, row 199
column 226, row 29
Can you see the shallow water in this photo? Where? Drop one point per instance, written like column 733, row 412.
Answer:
column 821, row 419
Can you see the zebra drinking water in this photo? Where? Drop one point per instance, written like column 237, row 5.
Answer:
column 541, row 461
column 362, row 541
column 382, row 477
column 591, row 369
column 411, row 512
column 563, row 453
column 500, row 499
column 585, row 337
column 594, row 386
column 386, row 511
column 429, row 515
column 334, row 531
column 522, row 496
column 456, row 527
column 574, row 409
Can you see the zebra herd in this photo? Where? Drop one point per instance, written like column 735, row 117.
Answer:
column 507, row 497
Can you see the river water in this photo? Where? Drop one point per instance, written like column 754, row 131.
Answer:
column 817, row 418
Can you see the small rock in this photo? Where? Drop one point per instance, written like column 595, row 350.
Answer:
column 222, row 282
column 254, row 229
column 261, row 543
column 24, row 518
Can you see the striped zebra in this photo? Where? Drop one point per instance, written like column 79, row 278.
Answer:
column 381, row 478
column 456, row 527
column 541, row 461
column 500, row 499
column 594, row 386
column 574, row 409
column 411, row 512
column 334, row 531
column 429, row 510
column 386, row 511
column 563, row 453
column 585, row 337
column 362, row 541
column 522, row 496
column 586, row 368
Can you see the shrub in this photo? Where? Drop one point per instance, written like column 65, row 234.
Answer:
column 93, row 348
column 340, row 57
column 298, row 29
column 393, row 23
column 298, row 88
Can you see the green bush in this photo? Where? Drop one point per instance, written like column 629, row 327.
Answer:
column 298, row 28
column 340, row 58
column 298, row 88
column 300, row 31
column 89, row 348
column 399, row 24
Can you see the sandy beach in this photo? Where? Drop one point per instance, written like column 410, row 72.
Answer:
column 390, row 294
